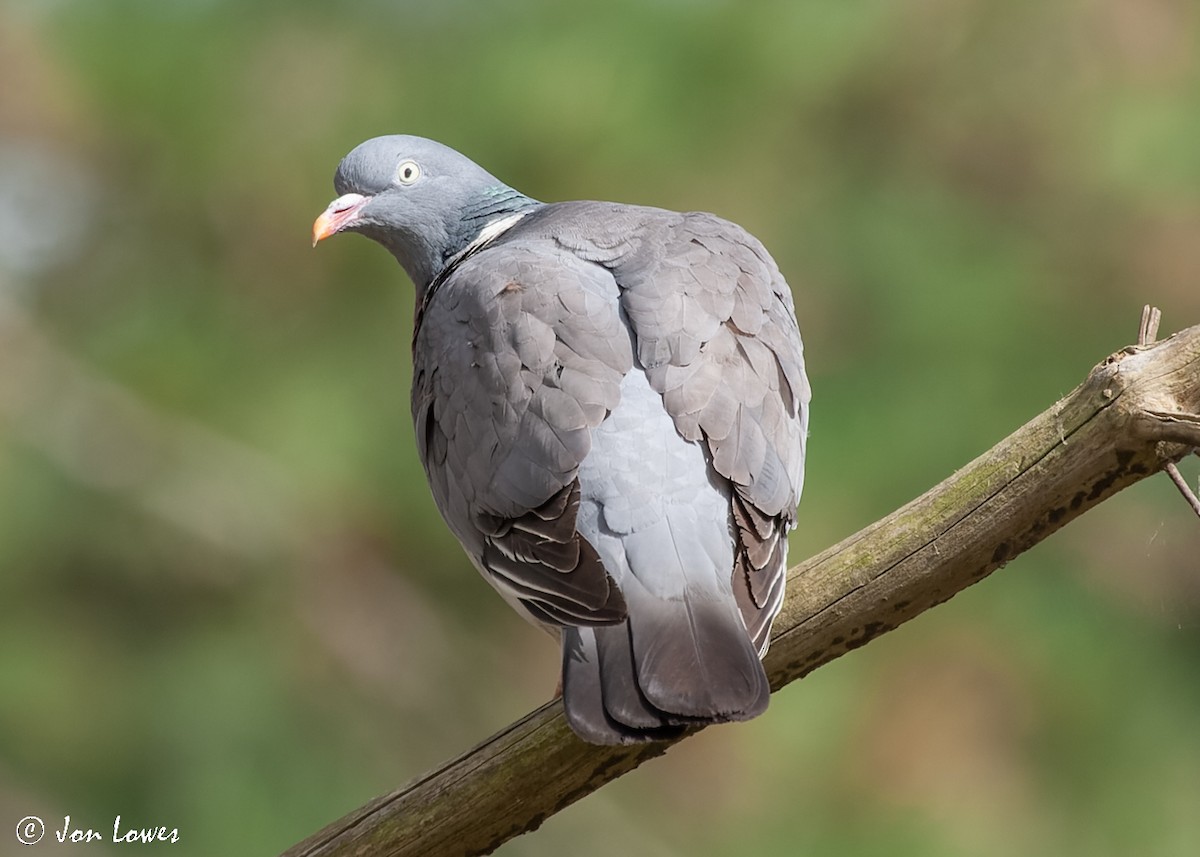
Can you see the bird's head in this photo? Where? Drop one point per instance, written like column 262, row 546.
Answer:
column 421, row 200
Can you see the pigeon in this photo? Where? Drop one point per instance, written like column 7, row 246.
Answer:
column 611, row 407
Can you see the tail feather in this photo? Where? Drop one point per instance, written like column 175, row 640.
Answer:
column 583, row 694
column 622, row 694
column 694, row 658
column 673, row 664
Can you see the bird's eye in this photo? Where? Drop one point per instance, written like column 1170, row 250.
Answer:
column 408, row 172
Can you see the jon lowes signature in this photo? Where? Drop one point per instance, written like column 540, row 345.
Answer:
column 31, row 829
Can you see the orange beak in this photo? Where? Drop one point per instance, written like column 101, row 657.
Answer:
column 341, row 213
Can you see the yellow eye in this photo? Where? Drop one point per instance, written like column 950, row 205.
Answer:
column 408, row 172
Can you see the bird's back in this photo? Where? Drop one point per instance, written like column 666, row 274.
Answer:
column 611, row 405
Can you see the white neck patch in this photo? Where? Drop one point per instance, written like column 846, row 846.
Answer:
column 493, row 230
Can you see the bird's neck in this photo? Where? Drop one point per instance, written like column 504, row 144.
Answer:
column 492, row 205
column 491, row 214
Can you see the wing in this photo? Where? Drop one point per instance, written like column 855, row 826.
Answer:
column 715, row 328
column 517, row 359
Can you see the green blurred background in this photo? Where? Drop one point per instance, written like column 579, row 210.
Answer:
column 227, row 603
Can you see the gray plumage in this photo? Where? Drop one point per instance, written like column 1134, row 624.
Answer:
column 611, row 407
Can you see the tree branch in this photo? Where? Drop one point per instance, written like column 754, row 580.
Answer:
column 1136, row 412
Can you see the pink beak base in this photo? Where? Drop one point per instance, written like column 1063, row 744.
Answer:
column 340, row 214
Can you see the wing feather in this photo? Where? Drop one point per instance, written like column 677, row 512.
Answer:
column 517, row 359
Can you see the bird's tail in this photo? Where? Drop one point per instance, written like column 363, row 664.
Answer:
column 674, row 663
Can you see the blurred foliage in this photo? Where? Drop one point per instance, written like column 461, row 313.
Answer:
column 227, row 604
